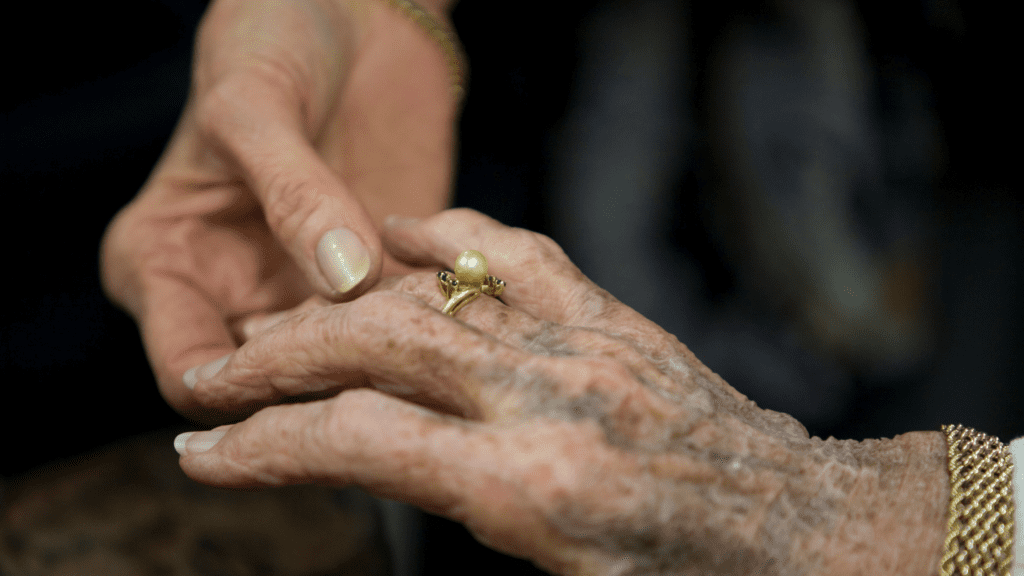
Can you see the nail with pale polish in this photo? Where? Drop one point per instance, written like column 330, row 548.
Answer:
column 204, row 371
column 197, row 442
column 343, row 258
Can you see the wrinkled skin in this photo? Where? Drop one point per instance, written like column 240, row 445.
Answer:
column 303, row 116
column 561, row 426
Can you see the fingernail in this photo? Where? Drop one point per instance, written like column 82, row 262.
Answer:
column 181, row 441
column 343, row 259
column 253, row 326
column 399, row 221
column 204, row 371
column 197, row 442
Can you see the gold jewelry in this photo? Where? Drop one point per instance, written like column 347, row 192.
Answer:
column 470, row 281
column 979, row 537
column 445, row 38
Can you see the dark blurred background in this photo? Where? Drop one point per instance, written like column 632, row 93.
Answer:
column 818, row 197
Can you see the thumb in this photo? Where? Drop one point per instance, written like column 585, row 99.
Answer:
column 329, row 234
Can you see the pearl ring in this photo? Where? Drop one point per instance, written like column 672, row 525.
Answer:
column 469, row 281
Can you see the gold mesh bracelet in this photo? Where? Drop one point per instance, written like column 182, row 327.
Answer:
column 979, row 537
column 444, row 38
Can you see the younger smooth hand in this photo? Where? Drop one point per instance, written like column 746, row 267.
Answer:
column 307, row 123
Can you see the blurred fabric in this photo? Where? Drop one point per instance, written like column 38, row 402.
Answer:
column 130, row 510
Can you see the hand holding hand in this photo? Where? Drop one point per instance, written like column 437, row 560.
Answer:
column 562, row 427
column 308, row 122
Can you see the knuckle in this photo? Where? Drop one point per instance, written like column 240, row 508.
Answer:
column 347, row 408
column 559, row 493
column 347, row 412
column 117, row 266
column 546, row 245
column 608, row 386
column 209, row 114
column 476, row 220
column 215, row 108
column 289, row 202
column 129, row 231
column 537, row 251
column 610, row 347
column 534, row 248
column 604, row 374
column 422, row 285
column 588, row 302
column 223, row 106
column 141, row 248
column 369, row 320
column 580, row 388
column 220, row 397
column 375, row 306
column 562, row 484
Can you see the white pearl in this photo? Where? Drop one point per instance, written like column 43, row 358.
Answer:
column 471, row 268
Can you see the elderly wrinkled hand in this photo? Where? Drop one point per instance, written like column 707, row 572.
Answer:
column 307, row 123
column 561, row 426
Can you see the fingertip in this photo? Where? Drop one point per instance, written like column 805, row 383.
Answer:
column 181, row 442
column 204, row 371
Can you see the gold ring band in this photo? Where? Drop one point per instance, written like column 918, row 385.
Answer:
column 469, row 281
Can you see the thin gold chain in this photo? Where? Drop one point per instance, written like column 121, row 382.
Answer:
column 443, row 36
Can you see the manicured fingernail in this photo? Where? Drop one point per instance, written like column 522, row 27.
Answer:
column 343, row 258
column 204, row 371
column 181, row 441
column 197, row 442
column 399, row 221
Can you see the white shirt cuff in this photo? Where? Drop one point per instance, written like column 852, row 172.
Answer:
column 1017, row 452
